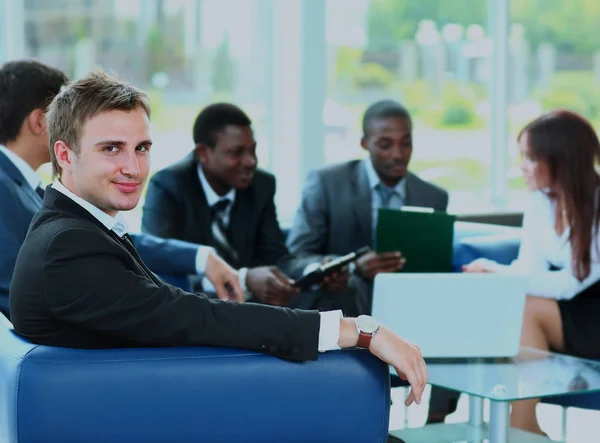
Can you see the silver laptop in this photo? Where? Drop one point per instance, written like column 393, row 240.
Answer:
column 453, row 315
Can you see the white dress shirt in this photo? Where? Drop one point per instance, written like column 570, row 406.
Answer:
column 396, row 201
column 541, row 246
column 212, row 198
column 329, row 330
column 30, row 175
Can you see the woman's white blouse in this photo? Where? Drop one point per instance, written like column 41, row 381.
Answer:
column 542, row 247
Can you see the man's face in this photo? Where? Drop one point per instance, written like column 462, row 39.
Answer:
column 232, row 162
column 113, row 163
column 389, row 142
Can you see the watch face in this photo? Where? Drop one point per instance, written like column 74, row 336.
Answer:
column 367, row 324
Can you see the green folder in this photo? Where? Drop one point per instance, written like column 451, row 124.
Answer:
column 423, row 238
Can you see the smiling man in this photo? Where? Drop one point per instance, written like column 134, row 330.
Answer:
column 338, row 212
column 218, row 196
column 79, row 282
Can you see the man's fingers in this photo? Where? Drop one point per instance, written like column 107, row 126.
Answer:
column 281, row 277
column 389, row 256
column 222, row 292
column 235, row 290
column 410, row 398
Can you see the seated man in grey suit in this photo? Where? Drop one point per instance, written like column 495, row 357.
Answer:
column 217, row 196
column 340, row 203
column 26, row 89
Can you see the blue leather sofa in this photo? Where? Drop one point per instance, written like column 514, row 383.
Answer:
column 171, row 395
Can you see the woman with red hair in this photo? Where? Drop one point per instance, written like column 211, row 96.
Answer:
column 559, row 249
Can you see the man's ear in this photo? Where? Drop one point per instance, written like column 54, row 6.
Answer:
column 64, row 155
column 202, row 153
column 363, row 143
column 36, row 121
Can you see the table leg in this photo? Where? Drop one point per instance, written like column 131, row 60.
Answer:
column 499, row 421
column 475, row 411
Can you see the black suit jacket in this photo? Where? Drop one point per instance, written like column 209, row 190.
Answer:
column 176, row 207
column 78, row 285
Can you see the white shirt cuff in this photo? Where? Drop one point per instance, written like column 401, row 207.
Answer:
column 242, row 272
column 202, row 258
column 329, row 332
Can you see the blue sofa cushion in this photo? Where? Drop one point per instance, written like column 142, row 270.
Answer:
column 198, row 394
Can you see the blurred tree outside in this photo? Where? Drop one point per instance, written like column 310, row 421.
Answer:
column 223, row 75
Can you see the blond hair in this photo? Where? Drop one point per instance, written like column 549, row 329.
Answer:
column 81, row 100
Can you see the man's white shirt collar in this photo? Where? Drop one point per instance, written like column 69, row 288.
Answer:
column 27, row 171
column 116, row 224
column 374, row 179
column 211, row 196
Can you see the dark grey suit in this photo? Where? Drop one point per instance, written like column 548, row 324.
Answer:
column 336, row 209
column 335, row 218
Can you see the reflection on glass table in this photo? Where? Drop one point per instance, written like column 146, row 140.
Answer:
column 532, row 374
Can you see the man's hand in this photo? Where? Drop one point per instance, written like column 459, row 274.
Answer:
column 224, row 278
column 270, row 285
column 480, row 266
column 371, row 264
column 405, row 357
column 336, row 282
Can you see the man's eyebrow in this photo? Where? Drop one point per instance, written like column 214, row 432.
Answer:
column 120, row 143
column 110, row 142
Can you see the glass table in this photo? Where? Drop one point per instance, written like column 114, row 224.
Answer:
column 532, row 374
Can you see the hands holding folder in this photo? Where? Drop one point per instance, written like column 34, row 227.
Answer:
column 372, row 263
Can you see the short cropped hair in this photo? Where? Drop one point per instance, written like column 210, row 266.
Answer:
column 383, row 109
column 25, row 85
column 81, row 100
column 214, row 118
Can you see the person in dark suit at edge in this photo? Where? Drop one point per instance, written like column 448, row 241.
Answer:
column 339, row 207
column 216, row 196
column 26, row 89
column 80, row 283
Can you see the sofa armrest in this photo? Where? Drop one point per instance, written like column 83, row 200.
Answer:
column 188, row 394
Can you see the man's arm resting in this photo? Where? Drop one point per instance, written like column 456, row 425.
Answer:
column 132, row 307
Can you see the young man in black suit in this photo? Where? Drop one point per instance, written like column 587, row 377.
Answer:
column 79, row 282
column 216, row 196
column 26, row 89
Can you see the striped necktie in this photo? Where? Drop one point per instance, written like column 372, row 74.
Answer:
column 220, row 232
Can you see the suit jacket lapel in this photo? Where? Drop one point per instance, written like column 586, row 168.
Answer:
column 12, row 171
column 363, row 201
column 202, row 210
column 239, row 223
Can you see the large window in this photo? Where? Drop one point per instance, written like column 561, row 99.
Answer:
column 287, row 62
column 432, row 56
column 184, row 53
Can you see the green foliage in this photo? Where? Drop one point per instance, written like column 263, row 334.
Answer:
column 415, row 96
column 569, row 25
column 223, row 67
column 576, row 91
column 389, row 22
column 155, row 50
column 373, row 75
column 456, row 110
column 347, row 62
